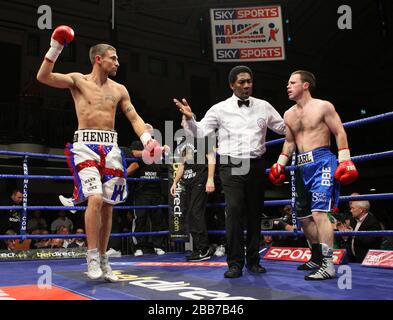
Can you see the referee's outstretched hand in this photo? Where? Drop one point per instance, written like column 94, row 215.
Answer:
column 184, row 108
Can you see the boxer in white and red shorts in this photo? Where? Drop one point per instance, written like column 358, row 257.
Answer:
column 97, row 163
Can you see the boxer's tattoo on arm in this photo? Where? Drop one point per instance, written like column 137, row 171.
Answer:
column 129, row 109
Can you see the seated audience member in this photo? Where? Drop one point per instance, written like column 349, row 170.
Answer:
column 57, row 243
column 36, row 222
column 16, row 244
column 61, row 220
column 285, row 223
column 64, row 230
column 78, row 242
column 43, row 243
column 363, row 220
column 267, row 241
column 10, row 243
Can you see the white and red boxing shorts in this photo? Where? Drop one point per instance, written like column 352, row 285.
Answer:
column 98, row 166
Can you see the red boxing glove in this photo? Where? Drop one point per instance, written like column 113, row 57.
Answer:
column 277, row 171
column 61, row 36
column 346, row 171
column 152, row 151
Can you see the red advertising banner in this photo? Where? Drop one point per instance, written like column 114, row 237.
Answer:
column 378, row 258
column 34, row 292
column 300, row 254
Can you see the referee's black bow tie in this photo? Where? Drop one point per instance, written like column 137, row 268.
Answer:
column 243, row 103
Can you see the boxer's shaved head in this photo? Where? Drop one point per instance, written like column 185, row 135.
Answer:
column 100, row 50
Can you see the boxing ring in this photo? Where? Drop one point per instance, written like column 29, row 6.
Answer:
column 169, row 277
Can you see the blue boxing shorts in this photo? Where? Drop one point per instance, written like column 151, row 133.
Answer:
column 316, row 188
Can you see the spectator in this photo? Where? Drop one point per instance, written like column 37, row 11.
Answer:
column 33, row 244
column 43, row 243
column 285, row 223
column 16, row 244
column 64, row 230
column 57, row 243
column 347, row 221
column 78, row 242
column 127, row 222
column 62, row 220
column 36, row 223
column 13, row 219
column 363, row 220
column 267, row 241
column 10, row 244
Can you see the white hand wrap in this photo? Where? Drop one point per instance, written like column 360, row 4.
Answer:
column 145, row 137
column 54, row 51
column 283, row 159
column 343, row 155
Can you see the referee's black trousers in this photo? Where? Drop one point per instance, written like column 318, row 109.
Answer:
column 243, row 185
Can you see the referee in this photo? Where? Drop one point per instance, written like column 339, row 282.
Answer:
column 242, row 122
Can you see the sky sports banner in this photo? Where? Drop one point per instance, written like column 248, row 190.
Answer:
column 247, row 34
column 301, row 254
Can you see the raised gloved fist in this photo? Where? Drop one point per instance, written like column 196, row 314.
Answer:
column 346, row 171
column 277, row 171
column 61, row 36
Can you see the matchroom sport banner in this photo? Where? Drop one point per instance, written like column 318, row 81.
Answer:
column 247, row 34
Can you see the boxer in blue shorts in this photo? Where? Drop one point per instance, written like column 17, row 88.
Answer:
column 310, row 123
column 95, row 158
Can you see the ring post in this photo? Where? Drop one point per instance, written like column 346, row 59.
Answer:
column 24, row 204
column 295, row 221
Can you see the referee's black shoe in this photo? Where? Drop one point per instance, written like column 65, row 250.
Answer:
column 233, row 272
column 256, row 268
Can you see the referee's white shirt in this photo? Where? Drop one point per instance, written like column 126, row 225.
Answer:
column 241, row 130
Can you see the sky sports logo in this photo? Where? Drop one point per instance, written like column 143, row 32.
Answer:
column 246, row 13
column 250, row 53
